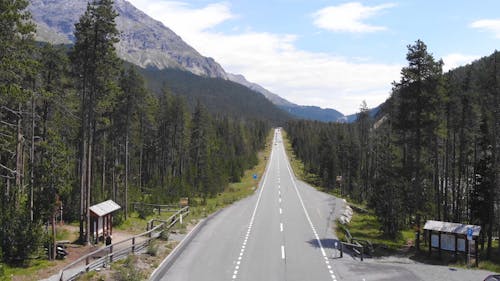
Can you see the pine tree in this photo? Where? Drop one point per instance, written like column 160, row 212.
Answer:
column 417, row 103
column 95, row 65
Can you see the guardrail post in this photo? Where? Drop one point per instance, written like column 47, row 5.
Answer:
column 86, row 264
column 111, row 253
column 362, row 250
column 341, row 249
column 61, row 278
column 133, row 245
column 181, row 218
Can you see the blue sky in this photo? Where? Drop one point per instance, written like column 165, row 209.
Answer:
column 329, row 53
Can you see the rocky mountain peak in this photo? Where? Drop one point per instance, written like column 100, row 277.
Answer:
column 143, row 41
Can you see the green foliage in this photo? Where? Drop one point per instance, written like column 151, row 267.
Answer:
column 152, row 249
column 19, row 236
column 128, row 271
column 79, row 129
column 431, row 153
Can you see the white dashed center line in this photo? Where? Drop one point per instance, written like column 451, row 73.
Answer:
column 249, row 230
column 282, row 252
column 281, row 227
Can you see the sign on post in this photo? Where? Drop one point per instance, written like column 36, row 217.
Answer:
column 255, row 176
column 469, row 234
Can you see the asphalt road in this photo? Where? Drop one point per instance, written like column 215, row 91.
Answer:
column 284, row 232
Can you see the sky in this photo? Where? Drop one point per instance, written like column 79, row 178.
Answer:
column 331, row 54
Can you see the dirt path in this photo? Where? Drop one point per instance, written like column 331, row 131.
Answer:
column 75, row 251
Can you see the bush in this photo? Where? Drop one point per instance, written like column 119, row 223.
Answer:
column 144, row 212
column 118, row 218
column 128, row 271
column 152, row 249
column 164, row 235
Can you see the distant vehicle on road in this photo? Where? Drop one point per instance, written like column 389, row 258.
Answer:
column 493, row 278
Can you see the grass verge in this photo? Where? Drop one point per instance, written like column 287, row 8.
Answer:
column 27, row 272
column 364, row 225
column 238, row 190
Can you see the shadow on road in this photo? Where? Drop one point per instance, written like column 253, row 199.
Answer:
column 326, row 243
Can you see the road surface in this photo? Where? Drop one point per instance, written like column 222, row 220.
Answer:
column 284, row 232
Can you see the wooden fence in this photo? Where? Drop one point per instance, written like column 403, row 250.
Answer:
column 155, row 208
column 103, row 256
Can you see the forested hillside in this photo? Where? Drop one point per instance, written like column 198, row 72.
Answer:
column 79, row 127
column 218, row 95
column 432, row 154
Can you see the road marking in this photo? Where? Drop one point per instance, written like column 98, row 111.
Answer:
column 281, row 227
column 310, row 222
column 250, row 225
column 281, row 211
column 282, row 252
column 279, row 200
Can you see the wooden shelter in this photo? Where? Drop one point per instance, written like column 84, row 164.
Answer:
column 452, row 237
column 101, row 218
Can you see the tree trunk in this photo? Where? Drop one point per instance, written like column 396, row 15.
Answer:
column 19, row 150
column 32, row 154
column 126, row 165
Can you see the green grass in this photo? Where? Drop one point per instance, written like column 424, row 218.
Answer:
column 232, row 193
column 366, row 226
column 6, row 271
column 235, row 191
column 297, row 165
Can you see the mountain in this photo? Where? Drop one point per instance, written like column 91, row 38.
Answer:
column 151, row 45
column 373, row 113
column 274, row 98
column 143, row 41
column 220, row 96
column 298, row 111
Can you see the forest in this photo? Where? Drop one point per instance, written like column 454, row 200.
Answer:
column 432, row 152
column 78, row 126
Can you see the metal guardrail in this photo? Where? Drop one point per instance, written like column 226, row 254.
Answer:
column 357, row 248
column 121, row 249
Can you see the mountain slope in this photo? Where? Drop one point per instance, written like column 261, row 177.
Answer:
column 143, row 40
column 274, row 98
column 220, row 96
column 299, row 111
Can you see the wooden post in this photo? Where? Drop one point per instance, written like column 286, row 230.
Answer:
column 456, row 245
column 439, row 250
column 430, row 242
column 111, row 253
column 477, row 253
column 467, row 250
column 133, row 245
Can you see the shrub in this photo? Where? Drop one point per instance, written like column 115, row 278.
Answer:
column 128, row 271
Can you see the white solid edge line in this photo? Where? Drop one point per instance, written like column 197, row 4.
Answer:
column 305, row 210
column 177, row 247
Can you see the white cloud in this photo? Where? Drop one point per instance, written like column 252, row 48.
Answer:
column 273, row 61
column 349, row 17
column 452, row 61
column 491, row 25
